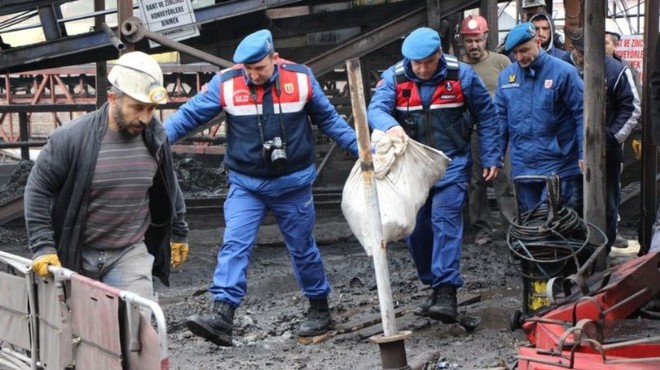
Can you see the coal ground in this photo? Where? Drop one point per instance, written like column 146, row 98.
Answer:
column 266, row 322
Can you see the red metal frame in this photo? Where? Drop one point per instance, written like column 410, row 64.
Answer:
column 580, row 327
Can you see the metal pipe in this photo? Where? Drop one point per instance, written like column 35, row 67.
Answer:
column 114, row 40
column 21, row 144
column 23, row 128
column 134, row 31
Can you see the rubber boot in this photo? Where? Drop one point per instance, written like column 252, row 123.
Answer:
column 445, row 307
column 423, row 309
column 318, row 320
column 216, row 326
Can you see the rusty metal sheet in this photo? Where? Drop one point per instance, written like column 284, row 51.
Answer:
column 95, row 320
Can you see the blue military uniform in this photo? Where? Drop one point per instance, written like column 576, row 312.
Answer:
column 257, row 115
column 540, row 115
column 438, row 112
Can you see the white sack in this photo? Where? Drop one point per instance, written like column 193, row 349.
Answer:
column 404, row 172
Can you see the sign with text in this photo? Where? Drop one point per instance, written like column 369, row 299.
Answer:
column 631, row 49
column 174, row 19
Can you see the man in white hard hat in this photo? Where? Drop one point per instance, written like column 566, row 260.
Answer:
column 102, row 198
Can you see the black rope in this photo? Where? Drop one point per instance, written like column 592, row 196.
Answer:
column 545, row 242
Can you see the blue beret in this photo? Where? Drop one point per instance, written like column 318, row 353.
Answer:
column 520, row 34
column 421, row 44
column 254, row 47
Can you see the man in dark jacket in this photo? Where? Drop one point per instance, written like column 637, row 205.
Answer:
column 622, row 111
column 545, row 28
column 102, row 198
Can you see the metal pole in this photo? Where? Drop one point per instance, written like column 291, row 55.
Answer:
column 594, row 118
column 23, row 129
column 649, row 151
column 124, row 12
column 101, row 67
column 391, row 343
column 134, row 31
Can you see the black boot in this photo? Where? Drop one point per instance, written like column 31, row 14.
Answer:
column 423, row 309
column 216, row 326
column 445, row 306
column 318, row 320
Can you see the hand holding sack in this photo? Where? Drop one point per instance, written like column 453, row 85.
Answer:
column 404, row 172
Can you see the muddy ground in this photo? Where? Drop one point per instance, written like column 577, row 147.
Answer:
column 266, row 322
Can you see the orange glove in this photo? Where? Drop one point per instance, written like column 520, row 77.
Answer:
column 40, row 265
column 179, row 253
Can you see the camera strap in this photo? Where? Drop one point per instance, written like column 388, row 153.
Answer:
column 253, row 93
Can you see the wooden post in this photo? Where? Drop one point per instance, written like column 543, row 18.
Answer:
column 488, row 10
column 649, row 151
column 391, row 343
column 377, row 244
column 433, row 14
column 101, row 67
column 594, row 118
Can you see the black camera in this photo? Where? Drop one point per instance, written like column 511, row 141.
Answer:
column 275, row 150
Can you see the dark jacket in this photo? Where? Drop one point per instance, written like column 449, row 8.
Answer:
column 622, row 105
column 57, row 193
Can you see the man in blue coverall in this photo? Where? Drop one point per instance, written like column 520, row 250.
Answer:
column 433, row 99
column 269, row 103
column 539, row 106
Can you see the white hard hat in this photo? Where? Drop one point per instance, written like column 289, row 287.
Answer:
column 139, row 76
column 532, row 3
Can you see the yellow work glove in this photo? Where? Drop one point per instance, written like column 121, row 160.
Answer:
column 179, row 253
column 40, row 265
column 637, row 148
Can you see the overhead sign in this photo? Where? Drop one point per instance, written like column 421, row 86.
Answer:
column 631, row 49
column 174, row 19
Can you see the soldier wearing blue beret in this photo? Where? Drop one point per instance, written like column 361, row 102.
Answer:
column 270, row 104
column 539, row 107
column 435, row 99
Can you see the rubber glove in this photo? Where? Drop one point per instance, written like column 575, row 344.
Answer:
column 637, row 148
column 179, row 253
column 40, row 265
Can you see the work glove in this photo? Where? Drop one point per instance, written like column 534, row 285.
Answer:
column 179, row 253
column 40, row 265
column 637, row 148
